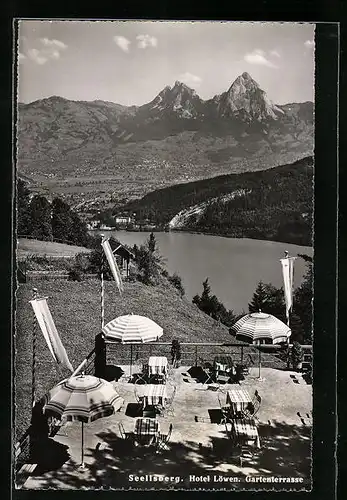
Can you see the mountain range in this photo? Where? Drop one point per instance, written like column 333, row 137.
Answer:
column 177, row 136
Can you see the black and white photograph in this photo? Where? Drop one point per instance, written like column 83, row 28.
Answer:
column 164, row 184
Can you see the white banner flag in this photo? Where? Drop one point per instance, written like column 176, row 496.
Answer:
column 50, row 333
column 288, row 278
column 113, row 265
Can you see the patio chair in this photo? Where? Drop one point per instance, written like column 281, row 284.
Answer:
column 141, row 378
column 168, row 408
column 163, row 440
column 145, row 441
column 157, row 378
column 208, row 371
column 222, row 377
column 253, row 407
column 128, row 436
column 225, row 409
column 242, row 370
column 149, row 412
column 244, row 451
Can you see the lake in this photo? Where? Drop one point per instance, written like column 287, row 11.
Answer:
column 234, row 266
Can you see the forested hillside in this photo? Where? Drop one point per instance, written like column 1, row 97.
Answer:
column 274, row 204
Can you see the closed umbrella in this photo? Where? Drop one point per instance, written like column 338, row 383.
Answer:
column 131, row 329
column 84, row 398
column 258, row 326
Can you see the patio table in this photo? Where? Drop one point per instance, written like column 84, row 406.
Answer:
column 246, row 431
column 157, row 365
column 238, row 399
column 152, row 394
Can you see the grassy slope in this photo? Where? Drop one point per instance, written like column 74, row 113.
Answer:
column 75, row 308
column 28, row 246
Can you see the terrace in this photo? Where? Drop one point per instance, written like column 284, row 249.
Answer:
column 199, row 445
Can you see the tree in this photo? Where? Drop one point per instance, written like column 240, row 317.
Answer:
column 259, row 299
column 302, row 303
column 61, row 220
column 276, row 302
column 78, row 231
column 268, row 299
column 210, row 305
column 203, row 301
column 23, row 209
column 40, row 218
column 152, row 243
column 297, row 328
column 149, row 261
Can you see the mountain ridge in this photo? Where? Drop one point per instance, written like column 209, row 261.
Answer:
column 273, row 204
column 175, row 136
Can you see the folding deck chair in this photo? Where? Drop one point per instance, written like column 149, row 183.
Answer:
column 253, row 407
column 163, row 440
column 225, row 409
column 167, row 409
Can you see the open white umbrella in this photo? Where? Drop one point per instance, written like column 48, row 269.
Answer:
column 84, row 398
column 258, row 326
column 132, row 328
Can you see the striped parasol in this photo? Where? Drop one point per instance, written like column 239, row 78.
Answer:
column 258, row 326
column 132, row 328
column 84, row 398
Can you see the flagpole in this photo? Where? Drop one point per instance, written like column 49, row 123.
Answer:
column 102, row 288
column 286, row 256
column 33, row 370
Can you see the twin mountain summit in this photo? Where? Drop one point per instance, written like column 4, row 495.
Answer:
column 238, row 130
column 200, row 165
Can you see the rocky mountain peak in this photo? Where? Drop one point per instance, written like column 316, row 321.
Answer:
column 180, row 99
column 247, row 100
column 181, row 85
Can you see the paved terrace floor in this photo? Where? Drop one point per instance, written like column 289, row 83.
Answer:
column 199, row 448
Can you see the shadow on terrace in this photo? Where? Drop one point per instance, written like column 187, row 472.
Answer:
column 285, row 448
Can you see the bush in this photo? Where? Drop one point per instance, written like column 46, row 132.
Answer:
column 297, row 355
column 175, row 351
column 74, row 275
column 176, row 280
column 210, row 305
column 82, row 263
column 149, row 262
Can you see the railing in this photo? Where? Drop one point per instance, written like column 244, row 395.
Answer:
column 47, row 275
column 22, row 272
column 193, row 354
column 87, row 366
column 22, row 450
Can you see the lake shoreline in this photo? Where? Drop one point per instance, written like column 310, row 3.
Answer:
column 234, row 266
column 202, row 233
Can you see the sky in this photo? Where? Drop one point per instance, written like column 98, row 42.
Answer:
column 130, row 62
